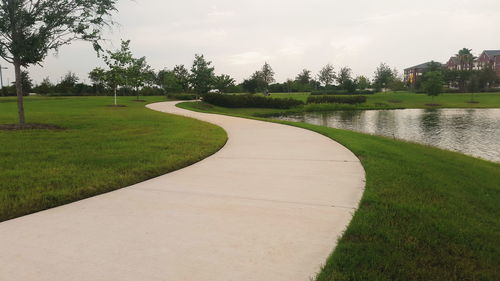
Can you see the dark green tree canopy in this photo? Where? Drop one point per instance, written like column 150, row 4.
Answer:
column 29, row 29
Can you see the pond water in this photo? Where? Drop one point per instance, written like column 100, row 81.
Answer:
column 475, row 132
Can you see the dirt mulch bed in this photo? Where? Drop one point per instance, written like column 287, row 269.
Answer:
column 118, row 105
column 473, row 102
column 29, row 126
column 432, row 104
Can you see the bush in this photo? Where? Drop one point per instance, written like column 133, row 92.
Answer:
column 239, row 101
column 342, row 92
column 337, row 99
column 182, row 96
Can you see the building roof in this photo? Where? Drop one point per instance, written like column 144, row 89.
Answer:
column 492, row 53
column 424, row 65
column 454, row 59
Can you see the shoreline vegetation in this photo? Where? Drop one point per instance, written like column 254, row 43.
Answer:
column 378, row 101
column 426, row 214
column 100, row 149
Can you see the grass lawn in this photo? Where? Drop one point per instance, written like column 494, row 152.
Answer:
column 101, row 149
column 426, row 214
column 407, row 100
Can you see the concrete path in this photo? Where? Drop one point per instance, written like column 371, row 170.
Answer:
column 268, row 207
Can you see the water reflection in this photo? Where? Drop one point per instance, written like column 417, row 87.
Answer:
column 471, row 131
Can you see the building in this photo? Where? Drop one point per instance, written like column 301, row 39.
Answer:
column 413, row 73
column 490, row 58
column 453, row 64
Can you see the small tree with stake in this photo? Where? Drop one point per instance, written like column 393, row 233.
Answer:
column 29, row 29
column 119, row 63
column 433, row 83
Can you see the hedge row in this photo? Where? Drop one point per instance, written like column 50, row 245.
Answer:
column 239, row 101
column 337, row 99
column 342, row 92
column 182, row 96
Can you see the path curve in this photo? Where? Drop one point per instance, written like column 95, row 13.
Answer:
column 268, row 206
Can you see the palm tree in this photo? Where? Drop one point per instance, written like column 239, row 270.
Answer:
column 466, row 59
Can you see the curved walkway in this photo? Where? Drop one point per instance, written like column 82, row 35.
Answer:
column 268, row 206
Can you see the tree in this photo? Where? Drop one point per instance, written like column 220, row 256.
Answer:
column 304, row 77
column 344, row 79
column 223, row 82
column 267, row 76
column 45, row 87
column 98, row 78
column 362, row 82
column 465, row 59
column 167, row 80
column 202, row 75
column 29, row 29
column 26, row 82
column 326, row 75
column 383, row 76
column 118, row 62
column 433, row 83
column 182, row 76
column 67, row 83
column 250, row 85
column 138, row 74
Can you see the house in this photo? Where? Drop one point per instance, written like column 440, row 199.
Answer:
column 412, row 74
column 453, row 64
column 490, row 58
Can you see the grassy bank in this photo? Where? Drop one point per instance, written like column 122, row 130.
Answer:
column 101, row 149
column 392, row 100
column 426, row 214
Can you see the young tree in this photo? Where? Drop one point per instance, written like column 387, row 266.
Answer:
column 118, row 62
column 326, row 75
column 433, row 83
column 202, row 75
column 383, row 76
column 29, row 29
column 267, row 76
column 223, row 82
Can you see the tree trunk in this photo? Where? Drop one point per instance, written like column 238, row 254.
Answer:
column 19, row 91
column 115, row 96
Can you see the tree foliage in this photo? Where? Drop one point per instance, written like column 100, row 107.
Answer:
column 326, row 75
column 29, row 29
column 433, row 84
column 202, row 75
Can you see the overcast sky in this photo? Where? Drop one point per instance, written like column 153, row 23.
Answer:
column 239, row 36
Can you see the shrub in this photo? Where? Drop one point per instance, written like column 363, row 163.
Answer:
column 239, row 101
column 337, row 99
column 182, row 96
column 342, row 92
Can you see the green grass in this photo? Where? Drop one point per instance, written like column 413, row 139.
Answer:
column 426, row 214
column 393, row 100
column 101, row 149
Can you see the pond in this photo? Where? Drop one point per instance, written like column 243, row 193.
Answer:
column 475, row 132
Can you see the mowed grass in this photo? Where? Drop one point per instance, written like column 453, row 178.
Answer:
column 426, row 214
column 407, row 100
column 101, row 149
